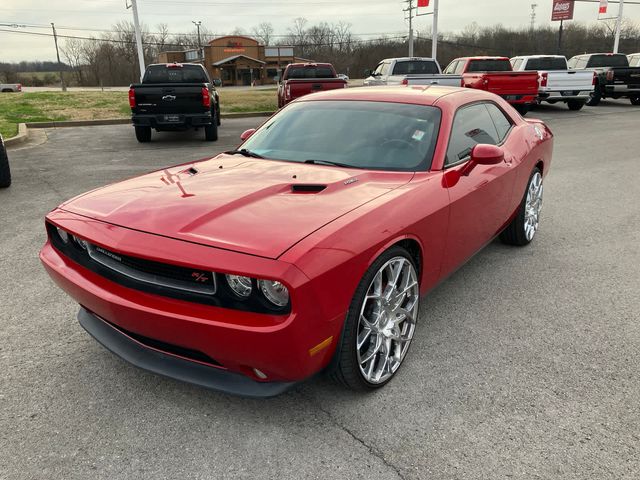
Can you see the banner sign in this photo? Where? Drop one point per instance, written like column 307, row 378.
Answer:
column 562, row 10
column 423, row 3
column 603, row 6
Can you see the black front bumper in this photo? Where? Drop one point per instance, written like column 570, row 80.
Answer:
column 175, row 367
column 184, row 120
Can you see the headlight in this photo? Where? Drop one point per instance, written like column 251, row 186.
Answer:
column 275, row 292
column 64, row 236
column 241, row 286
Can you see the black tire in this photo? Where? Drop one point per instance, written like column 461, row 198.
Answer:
column 635, row 100
column 344, row 367
column 143, row 134
column 575, row 105
column 522, row 108
column 211, row 132
column 218, row 122
column 5, row 172
column 515, row 234
column 595, row 98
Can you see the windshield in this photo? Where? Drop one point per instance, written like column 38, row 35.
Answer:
column 416, row 67
column 547, row 63
column 358, row 134
column 183, row 74
column 489, row 66
column 597, row 61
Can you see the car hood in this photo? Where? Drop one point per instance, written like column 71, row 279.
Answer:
column 258, row 207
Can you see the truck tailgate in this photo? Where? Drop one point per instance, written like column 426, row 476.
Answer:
column 300, row 87
column 570, row 80
column 168, row 98
column 511, row 83
column 626, row 76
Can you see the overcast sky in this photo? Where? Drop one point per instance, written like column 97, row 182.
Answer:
column 371, row 17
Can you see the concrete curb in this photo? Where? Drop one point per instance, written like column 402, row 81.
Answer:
column 22, row 136
column 124, row 121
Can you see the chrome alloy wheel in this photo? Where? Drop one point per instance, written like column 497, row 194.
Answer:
column 387, row 320
column 533, row 206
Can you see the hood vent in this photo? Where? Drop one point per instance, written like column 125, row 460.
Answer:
column 307, row 188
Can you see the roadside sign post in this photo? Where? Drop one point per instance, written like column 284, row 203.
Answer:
column 562, row 10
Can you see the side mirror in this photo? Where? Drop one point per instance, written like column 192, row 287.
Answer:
column 247, row 133
column 217, row 82
column 367, row 73
column 483, row 154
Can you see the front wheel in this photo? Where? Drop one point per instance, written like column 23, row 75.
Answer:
column 595, row 97
column 5, row 172
column 575, row 105
column 380, row 323
column 524, row 226
column 635, row 100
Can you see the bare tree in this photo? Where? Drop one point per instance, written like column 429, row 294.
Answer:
column 73, row 51
column 263, row 32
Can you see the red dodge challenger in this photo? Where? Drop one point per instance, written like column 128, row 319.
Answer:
column 306, row 249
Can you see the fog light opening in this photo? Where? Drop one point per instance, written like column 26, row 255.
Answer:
column 260, row 374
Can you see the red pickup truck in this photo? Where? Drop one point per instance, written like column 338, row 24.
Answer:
column 495, row 74
column 301, row 79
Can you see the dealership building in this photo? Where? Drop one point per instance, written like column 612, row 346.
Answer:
column 237, row 60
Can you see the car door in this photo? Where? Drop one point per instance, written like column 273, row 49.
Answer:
column 479, row 201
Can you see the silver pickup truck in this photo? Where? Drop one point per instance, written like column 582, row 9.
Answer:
column 10, row 87
column 556, row 82
column 409, row 71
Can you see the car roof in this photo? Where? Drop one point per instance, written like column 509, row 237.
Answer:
column 485, row 57
column 540, row 56
column 407, row 59
column 416, row 95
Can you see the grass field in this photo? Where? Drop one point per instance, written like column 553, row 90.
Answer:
column 17, row 108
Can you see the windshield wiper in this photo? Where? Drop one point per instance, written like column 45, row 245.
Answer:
column 245, row 152
column 328, row 162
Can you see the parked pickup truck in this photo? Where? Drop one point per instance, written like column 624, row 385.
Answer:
column 409, row 71
column 556, row 82
column 300, row 79
column 10, row 87
column 494, row 74
column 614, row 77
column 5, row 172
column 174, row 96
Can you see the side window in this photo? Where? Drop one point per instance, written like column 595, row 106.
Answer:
column 378, row 69
column 459, row 67
column 500, row 120
column 581, row 63
column 472, row 125
column 451, row 68
column 572, row 63
column 517, row 64
column 385, row 69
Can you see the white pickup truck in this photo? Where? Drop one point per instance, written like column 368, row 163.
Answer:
column 10, row 87
column 409, row 71
column 557, row 82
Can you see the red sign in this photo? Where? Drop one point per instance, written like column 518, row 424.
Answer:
column 423, row 3
column 562, row 10
column 603, row 6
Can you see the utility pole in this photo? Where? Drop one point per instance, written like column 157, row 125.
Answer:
column 136, row 25
column 410, row 10
column 616, row 43
column 197, row 24
column 55, row 40
column 434, row 31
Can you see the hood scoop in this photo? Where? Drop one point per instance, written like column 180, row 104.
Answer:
column 307, row 188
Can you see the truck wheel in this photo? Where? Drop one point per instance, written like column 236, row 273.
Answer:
column 635, row 100
column 218, row 122
column 211, row 132
column 522, row 109
column 5, row 173
column 575, row 105
column 143, row 134
column 595, row 97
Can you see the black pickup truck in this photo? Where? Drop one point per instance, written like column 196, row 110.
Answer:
column 5, row 173
column 614, row 77
column 174, row 96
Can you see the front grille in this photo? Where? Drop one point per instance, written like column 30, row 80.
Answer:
column 155, row 273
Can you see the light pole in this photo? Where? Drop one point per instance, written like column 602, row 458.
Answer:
column 197, row 24
column 616, row 42
column 136, row 26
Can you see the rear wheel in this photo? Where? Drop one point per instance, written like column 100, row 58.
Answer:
column 575, row 105
column 524, row 226
column 522, row 108
column 5, row 172
column 635, row 100
column 380, row 323
column 143, row 134
column 595, row 97
column 211, row 131
column 218, row 122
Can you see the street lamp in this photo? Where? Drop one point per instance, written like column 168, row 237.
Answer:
column 197, row 24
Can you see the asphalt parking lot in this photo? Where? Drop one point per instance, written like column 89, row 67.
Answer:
column 524, row 365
